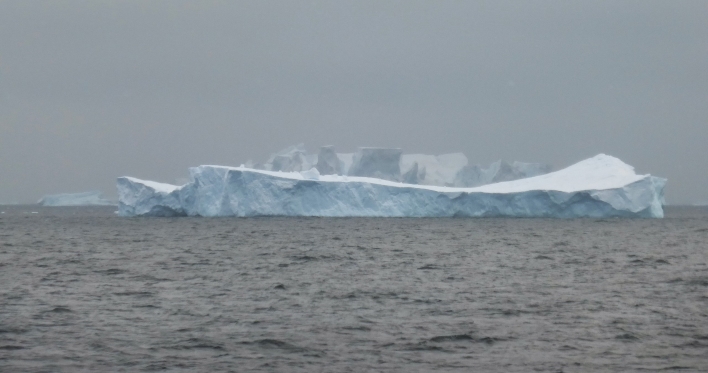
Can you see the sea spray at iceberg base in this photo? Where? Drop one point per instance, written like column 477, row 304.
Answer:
column 602, row 186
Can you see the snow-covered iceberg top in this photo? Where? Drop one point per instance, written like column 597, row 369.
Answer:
column 597, row 187
column 92, row 198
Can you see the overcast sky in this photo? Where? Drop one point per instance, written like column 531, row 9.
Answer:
column 93, row 90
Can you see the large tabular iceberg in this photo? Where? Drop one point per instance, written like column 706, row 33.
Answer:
column 602, row 186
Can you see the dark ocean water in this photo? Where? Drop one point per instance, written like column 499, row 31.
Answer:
column 83, row 290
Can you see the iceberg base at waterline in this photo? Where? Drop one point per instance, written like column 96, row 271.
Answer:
column 602, row 186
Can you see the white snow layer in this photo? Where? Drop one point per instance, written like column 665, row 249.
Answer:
column 602, row 186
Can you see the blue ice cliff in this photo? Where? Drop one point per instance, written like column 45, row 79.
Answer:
column 602, row 186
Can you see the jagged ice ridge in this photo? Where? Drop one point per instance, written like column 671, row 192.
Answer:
column 394, row 165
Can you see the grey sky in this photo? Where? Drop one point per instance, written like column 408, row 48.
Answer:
column 92, row 90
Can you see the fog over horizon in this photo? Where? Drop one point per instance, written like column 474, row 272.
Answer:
column 90, row 91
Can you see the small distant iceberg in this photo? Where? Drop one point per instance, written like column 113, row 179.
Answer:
column 602, row 186
column 92, row 198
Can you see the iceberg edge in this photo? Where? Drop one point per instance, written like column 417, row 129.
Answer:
column 602, row 186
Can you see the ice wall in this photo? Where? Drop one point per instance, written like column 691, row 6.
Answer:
column 391, row 164
column 602, row 186
column 379, row 163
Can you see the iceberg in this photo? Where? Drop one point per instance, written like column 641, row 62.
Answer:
column 92, row 198
column 290, row 159
column 149, row 198
column 472, row 176
column 531, row 169
column 391, row 164
column 328, row 163
column 347, row 159
column 379, row 163
column 602, row 186
column 432, row 169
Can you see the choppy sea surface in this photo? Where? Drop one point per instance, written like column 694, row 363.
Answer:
column 83, row 290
